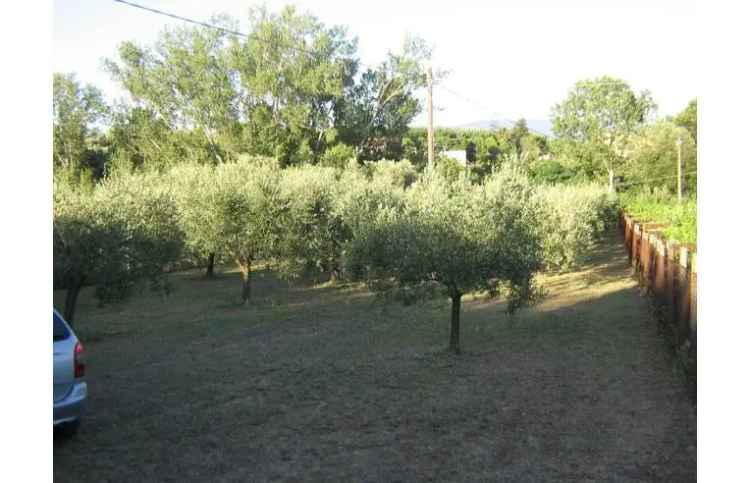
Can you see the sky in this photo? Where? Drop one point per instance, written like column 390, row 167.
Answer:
column 507, row 59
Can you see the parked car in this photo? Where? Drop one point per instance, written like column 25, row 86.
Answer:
column 69, row 383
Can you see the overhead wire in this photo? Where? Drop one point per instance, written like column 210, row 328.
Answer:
column 208, row 25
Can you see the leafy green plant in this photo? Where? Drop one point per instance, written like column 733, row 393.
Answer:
column 450, row 238
column 251, row 214
column 659, row 206
column 398, row 173
column 574, row 217
column 120, row 233
column 316, row 231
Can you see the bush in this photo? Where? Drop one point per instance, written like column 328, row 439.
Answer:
column 123, row 232
column 398, row 173
column 358, row 198
column 659, row 206
column 338, row 156
column 449, row 168
column 574, row 217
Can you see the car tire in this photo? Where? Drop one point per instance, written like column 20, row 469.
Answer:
column 68, row 430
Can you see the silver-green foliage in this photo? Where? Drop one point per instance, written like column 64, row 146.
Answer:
column 251, row 213
column 398, row 173
column 122, row 232
column 453, row 238
column 316, row 232
column 196, row 188
column 574, row 217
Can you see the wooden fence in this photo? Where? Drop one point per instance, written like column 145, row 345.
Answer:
column 667, row 272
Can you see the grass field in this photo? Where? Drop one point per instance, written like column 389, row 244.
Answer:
column 327, row 383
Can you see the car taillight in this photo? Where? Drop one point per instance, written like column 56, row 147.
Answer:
column 80, row 366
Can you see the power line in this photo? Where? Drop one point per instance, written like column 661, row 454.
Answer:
column 483, row 107
column 208, row 25
column 184, row 19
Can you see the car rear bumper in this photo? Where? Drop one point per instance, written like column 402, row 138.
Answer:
column 72, row 407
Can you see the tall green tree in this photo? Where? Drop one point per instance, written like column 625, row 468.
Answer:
column 185, row 80
column 601, row 115
column 292, row 70
column 688, row 118
column 76, row 110
column 375, row 112
column 652, row 157
column 142, row 140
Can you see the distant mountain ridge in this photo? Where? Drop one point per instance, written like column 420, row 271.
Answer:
column 541, row 126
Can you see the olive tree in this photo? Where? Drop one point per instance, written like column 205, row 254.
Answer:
column 316, row 231
column 195, row 187
column 123, row 232
column 452, row 238
column 574, row 218
column 250, row 214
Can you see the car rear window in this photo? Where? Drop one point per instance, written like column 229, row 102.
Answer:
column 59, row 330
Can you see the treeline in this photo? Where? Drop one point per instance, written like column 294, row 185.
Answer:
column 409, row 235
column 294, row 90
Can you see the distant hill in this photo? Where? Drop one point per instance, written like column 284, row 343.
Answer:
column 541, row 126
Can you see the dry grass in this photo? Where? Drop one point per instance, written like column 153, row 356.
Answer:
column 327, row 384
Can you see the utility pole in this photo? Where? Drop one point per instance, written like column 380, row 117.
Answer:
column 679, row 169
column 430, row 131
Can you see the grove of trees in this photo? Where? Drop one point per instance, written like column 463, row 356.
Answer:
column 407, row 234
column 282, row 148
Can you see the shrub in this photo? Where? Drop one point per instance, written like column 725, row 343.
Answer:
column 574, row 217
column 449, row 168
column 338, row 156
column 659, row 206
column 358, row 198
column 398, row 173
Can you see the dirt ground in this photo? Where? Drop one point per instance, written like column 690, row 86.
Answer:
column 328, row 383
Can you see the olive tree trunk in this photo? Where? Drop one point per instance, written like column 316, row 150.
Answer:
column 210, row 266
column 454, row 345
column 245, row 271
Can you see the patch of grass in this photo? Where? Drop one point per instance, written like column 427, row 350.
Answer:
column 328, row 383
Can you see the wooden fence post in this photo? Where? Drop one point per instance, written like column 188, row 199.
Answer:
column 634, row 247
column 659, row 275
column 694, row 300
column 643, row 261
column 648, row 263
column 628, row 234
column 684, row 295
column 671, row 283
